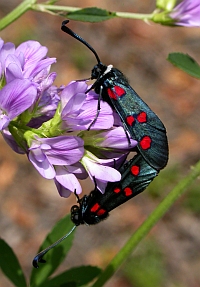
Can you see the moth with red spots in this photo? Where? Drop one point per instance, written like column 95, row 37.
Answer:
column 138, row 119
column 137, row 174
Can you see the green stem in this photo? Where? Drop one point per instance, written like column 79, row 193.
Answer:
column 57, row 8
column 134, row 15
column 142, row 231
column 16, row 13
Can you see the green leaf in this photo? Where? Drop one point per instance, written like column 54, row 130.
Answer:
column 77, row 276
column 185, row 63
column 10, row 265
column 55, row 256
column 91, row 14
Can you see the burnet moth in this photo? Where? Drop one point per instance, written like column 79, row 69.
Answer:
column 138, row 119
column 137, row 174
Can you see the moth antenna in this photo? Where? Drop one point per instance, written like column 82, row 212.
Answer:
column 77, row 37
column 39, row 257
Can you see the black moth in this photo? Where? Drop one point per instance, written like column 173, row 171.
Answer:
column 142, row 124
column 138, row 119
column 137, row 174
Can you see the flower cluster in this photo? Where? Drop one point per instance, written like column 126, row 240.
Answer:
column 38, row 118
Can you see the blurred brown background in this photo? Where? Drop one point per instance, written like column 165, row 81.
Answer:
column 30, row 205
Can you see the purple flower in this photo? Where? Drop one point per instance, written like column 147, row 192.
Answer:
column 45, row 153
column 187, row 13
column 15, row 98
column 27, row 61
column 33, row 60
column 35, row 118
column 57, row 158
column 78, row 110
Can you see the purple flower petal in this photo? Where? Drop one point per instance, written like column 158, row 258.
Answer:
column 13, row 69
column 105, row 118
column 13, row 72
column 187, row 13
column 65, row 150
column 99, row 169
column 68, row 181
column 73, row 106
column 78, row 170
column 39, row 153
column 33, row 52
column 35, row 69
column 11, row 142
column 59, row 151
column 71, row 90
column 64, row 192
column 116, row 139
column 102, row 172
column 44, row 167
column 4, row 121
column 6, row 49
column 82, row 118
column 47, row 82
column 16, row 97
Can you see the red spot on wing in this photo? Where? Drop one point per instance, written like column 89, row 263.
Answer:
column 142, row 117
column 135, row 170
column 145, row 142
column 130, row 120
column 101, row 211
column 95, row 207
column 119, row 91
column 117, row 189
column 128, row 191
column 111, row 94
